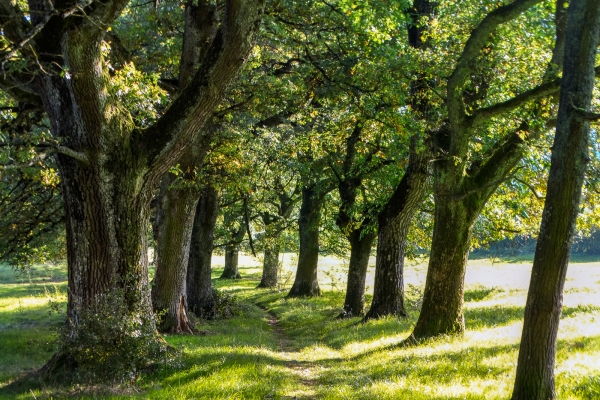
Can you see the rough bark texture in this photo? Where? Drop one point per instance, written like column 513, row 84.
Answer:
column 108, row 167
column 360, row 251
column 174, row 218
column 354, row 226
column 199, row 284
column 232, row 250
column 306, row 282
column 274, row 225
column 462, row 186
column 178, row 197
column 535, row 370
column 394, row 221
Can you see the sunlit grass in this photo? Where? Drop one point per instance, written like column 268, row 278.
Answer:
column 313, row 355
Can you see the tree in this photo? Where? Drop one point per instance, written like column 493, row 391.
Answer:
column 466, row 174
column 570, row 154
column 178, row 196
column 108, row 163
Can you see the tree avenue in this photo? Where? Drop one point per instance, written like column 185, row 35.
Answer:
column 408, row 125
column 108, row 166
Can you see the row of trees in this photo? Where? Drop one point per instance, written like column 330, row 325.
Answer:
column 340, row 106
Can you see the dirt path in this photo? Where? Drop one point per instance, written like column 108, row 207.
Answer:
column 304, row 370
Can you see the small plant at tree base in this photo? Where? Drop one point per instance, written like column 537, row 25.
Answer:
column 413, row 296
column 105, row 347
column 226, row 305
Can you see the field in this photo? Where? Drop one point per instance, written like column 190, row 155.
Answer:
column 295, row 349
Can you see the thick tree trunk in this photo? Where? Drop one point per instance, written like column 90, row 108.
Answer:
column 270, row 274
column 394, row 222
column 306, row 282
column 175, row 213
column 360, row 251
column 110, row 212
column 232, row 254
column 535, row 369
column 199, row 284
column 441, row 312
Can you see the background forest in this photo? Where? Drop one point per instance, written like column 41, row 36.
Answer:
column 280, row 200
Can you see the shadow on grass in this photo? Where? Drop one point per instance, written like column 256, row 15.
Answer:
column 479, row 294
column 489, row 317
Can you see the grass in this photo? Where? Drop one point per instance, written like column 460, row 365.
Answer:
column 306, row 353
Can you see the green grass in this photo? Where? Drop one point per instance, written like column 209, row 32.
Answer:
column 310, row 354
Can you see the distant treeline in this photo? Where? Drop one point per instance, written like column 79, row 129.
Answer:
column 589, row 245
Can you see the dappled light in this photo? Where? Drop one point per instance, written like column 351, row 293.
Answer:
column 310, row 354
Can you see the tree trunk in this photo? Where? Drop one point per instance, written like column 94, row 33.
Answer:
column 394, row 222
column 306, row 282
column 570, row 154
column 441, row 312
column 360, row 251
column 199, row 284
column 231, row 255
column 106, row 221
column 270, row 274
column 175, row 213
column 231, row 263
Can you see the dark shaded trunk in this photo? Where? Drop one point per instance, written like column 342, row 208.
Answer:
column 199, row 284
column 535, row 370
column 394, row 222
column 306, row 282
column 175, row 211
column 270, row 276
column 232, row 254
column 360, row 251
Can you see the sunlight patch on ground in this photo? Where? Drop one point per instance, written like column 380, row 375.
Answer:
column 580, row 364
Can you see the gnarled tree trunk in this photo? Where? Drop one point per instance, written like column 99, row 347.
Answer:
column 360, row 252
column 232, row 254
column 270, row 274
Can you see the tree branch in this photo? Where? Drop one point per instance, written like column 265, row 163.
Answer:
column 501, row 15
column 531, row 188
column 166, row 139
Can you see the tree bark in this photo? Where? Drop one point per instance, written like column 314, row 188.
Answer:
column 441, row 312
column 570, row 155
column 231, row 263
column 109, row 168
column 232, row 253
column 360, row 252
column 306, row 282
column 199, row 284
column 270, row 276
column 175, row 213
column 394, row 221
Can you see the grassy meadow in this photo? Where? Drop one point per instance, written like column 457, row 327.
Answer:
column 295, row 349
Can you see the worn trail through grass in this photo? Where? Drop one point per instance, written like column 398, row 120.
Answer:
column 275, row 347
column 295, row 362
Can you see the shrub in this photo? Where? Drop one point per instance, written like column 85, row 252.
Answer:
column 108, row 342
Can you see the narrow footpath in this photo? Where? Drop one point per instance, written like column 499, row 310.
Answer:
column 306, row 371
